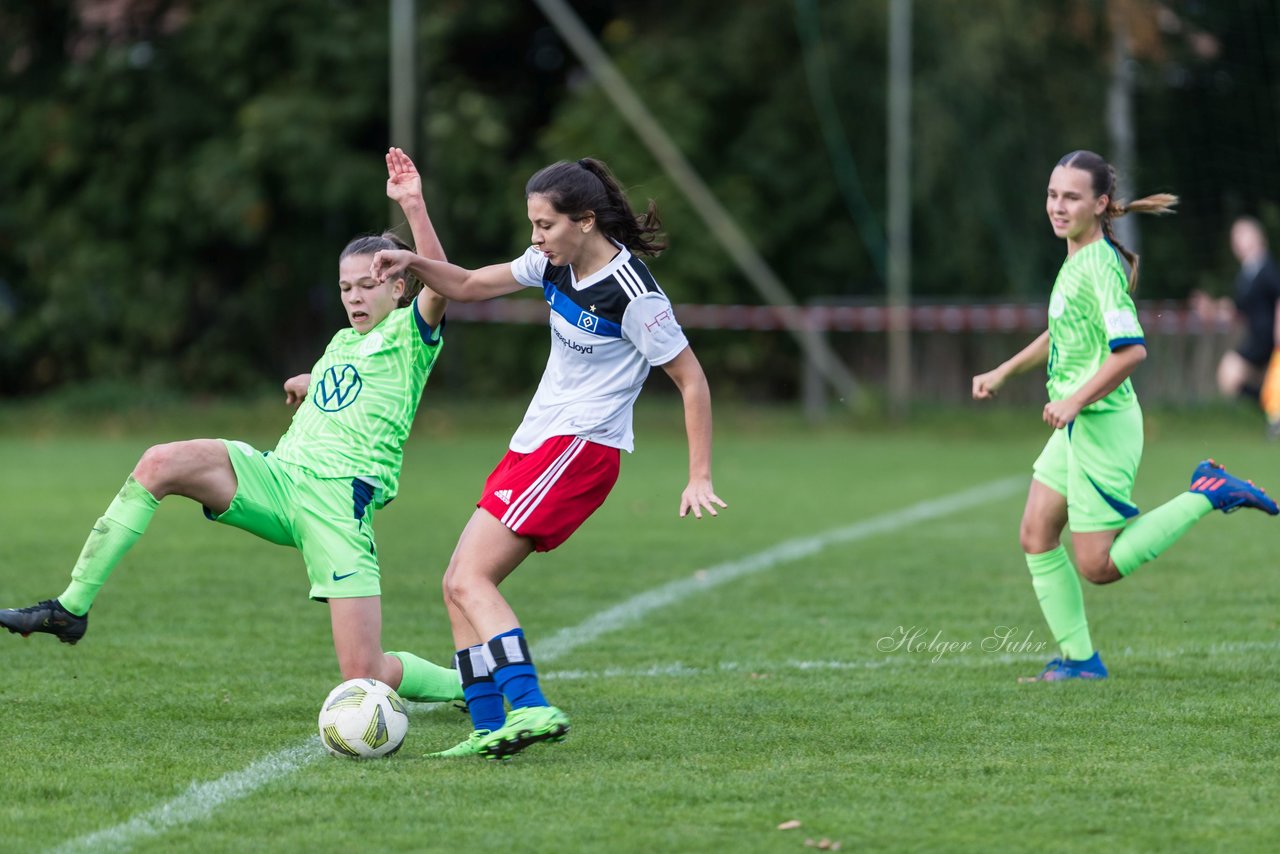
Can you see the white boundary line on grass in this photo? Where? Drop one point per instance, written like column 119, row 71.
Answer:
column 202, row 799
column 763, row 669
column 611, row 619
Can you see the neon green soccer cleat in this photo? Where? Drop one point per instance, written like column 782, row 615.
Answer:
column 524, row 727
column 470, row 746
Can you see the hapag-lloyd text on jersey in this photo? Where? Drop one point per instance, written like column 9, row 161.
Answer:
column 584, row 349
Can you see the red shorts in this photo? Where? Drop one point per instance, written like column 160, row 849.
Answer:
column 546, row 495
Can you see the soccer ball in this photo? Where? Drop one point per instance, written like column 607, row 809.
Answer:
column 362, row 719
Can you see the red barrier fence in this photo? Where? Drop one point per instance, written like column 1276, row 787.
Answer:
column 1167, row 317
column 1183, row 349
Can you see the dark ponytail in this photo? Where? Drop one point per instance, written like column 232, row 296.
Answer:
column 587, row 187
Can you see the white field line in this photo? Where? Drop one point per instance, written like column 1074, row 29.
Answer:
column 202, row 799
column 567, row 640
column 678, row 669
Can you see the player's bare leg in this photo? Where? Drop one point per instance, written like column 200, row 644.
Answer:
column 199, row 469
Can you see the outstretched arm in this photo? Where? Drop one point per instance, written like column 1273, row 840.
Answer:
column 404, row 187
column 686, row 372
column 986, row 386
column 448, row 280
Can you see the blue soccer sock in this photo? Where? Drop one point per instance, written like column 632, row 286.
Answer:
column 513, row 670
column 484, row 700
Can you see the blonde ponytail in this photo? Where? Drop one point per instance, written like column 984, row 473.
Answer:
column 1158, row 204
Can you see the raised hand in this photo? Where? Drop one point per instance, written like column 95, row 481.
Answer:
column 403, row 181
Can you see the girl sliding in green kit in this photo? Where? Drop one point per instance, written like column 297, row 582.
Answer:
column 317, row 491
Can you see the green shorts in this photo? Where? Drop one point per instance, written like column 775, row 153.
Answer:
column 1093, row 462
column 329, row 520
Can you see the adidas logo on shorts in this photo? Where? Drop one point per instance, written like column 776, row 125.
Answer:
column 504, row 495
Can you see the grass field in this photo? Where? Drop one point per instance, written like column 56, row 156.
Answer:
column 733, row 686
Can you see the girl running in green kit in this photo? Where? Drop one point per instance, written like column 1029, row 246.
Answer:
column 1084, row 476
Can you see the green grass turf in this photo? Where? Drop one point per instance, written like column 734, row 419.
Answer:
column 700, row 726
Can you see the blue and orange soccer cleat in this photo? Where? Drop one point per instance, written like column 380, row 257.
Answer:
column 1229, row 493
column 1061, row 669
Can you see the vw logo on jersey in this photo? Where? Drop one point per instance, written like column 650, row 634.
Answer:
column 371, row 344
column 588, row 321
column 338, row 388
column 1057, row 305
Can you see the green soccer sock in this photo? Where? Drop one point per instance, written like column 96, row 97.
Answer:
column 426, row 682
column 1062, row 600
column 1153, row 532
column 114, row 534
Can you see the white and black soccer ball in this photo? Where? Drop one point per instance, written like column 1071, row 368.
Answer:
column 363, row 719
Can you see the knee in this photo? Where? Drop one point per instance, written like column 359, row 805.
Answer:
column 465, row 590
column 453, row 587
column 1098, row 570
column 1230, row 378
column 1035, row 540
column 155, row 467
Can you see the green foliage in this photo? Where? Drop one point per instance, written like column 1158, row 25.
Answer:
column 173, row 185
column 175, row 182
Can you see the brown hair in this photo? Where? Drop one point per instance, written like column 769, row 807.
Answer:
column 368, row 244
column 587, row 187
column 1102, row 176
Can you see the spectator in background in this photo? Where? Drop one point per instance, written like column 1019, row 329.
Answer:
column 1255, row 302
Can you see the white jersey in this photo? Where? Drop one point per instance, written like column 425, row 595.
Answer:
column 606, row 331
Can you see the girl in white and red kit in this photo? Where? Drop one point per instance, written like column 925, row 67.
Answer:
column 609, row 323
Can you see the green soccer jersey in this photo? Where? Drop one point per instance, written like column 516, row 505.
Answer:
column 363, row 395
column 1090, row 315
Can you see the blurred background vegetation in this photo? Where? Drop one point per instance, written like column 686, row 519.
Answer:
column 177, row 177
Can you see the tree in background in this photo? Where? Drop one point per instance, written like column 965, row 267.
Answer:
column 174, row 179
column 175, row 176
